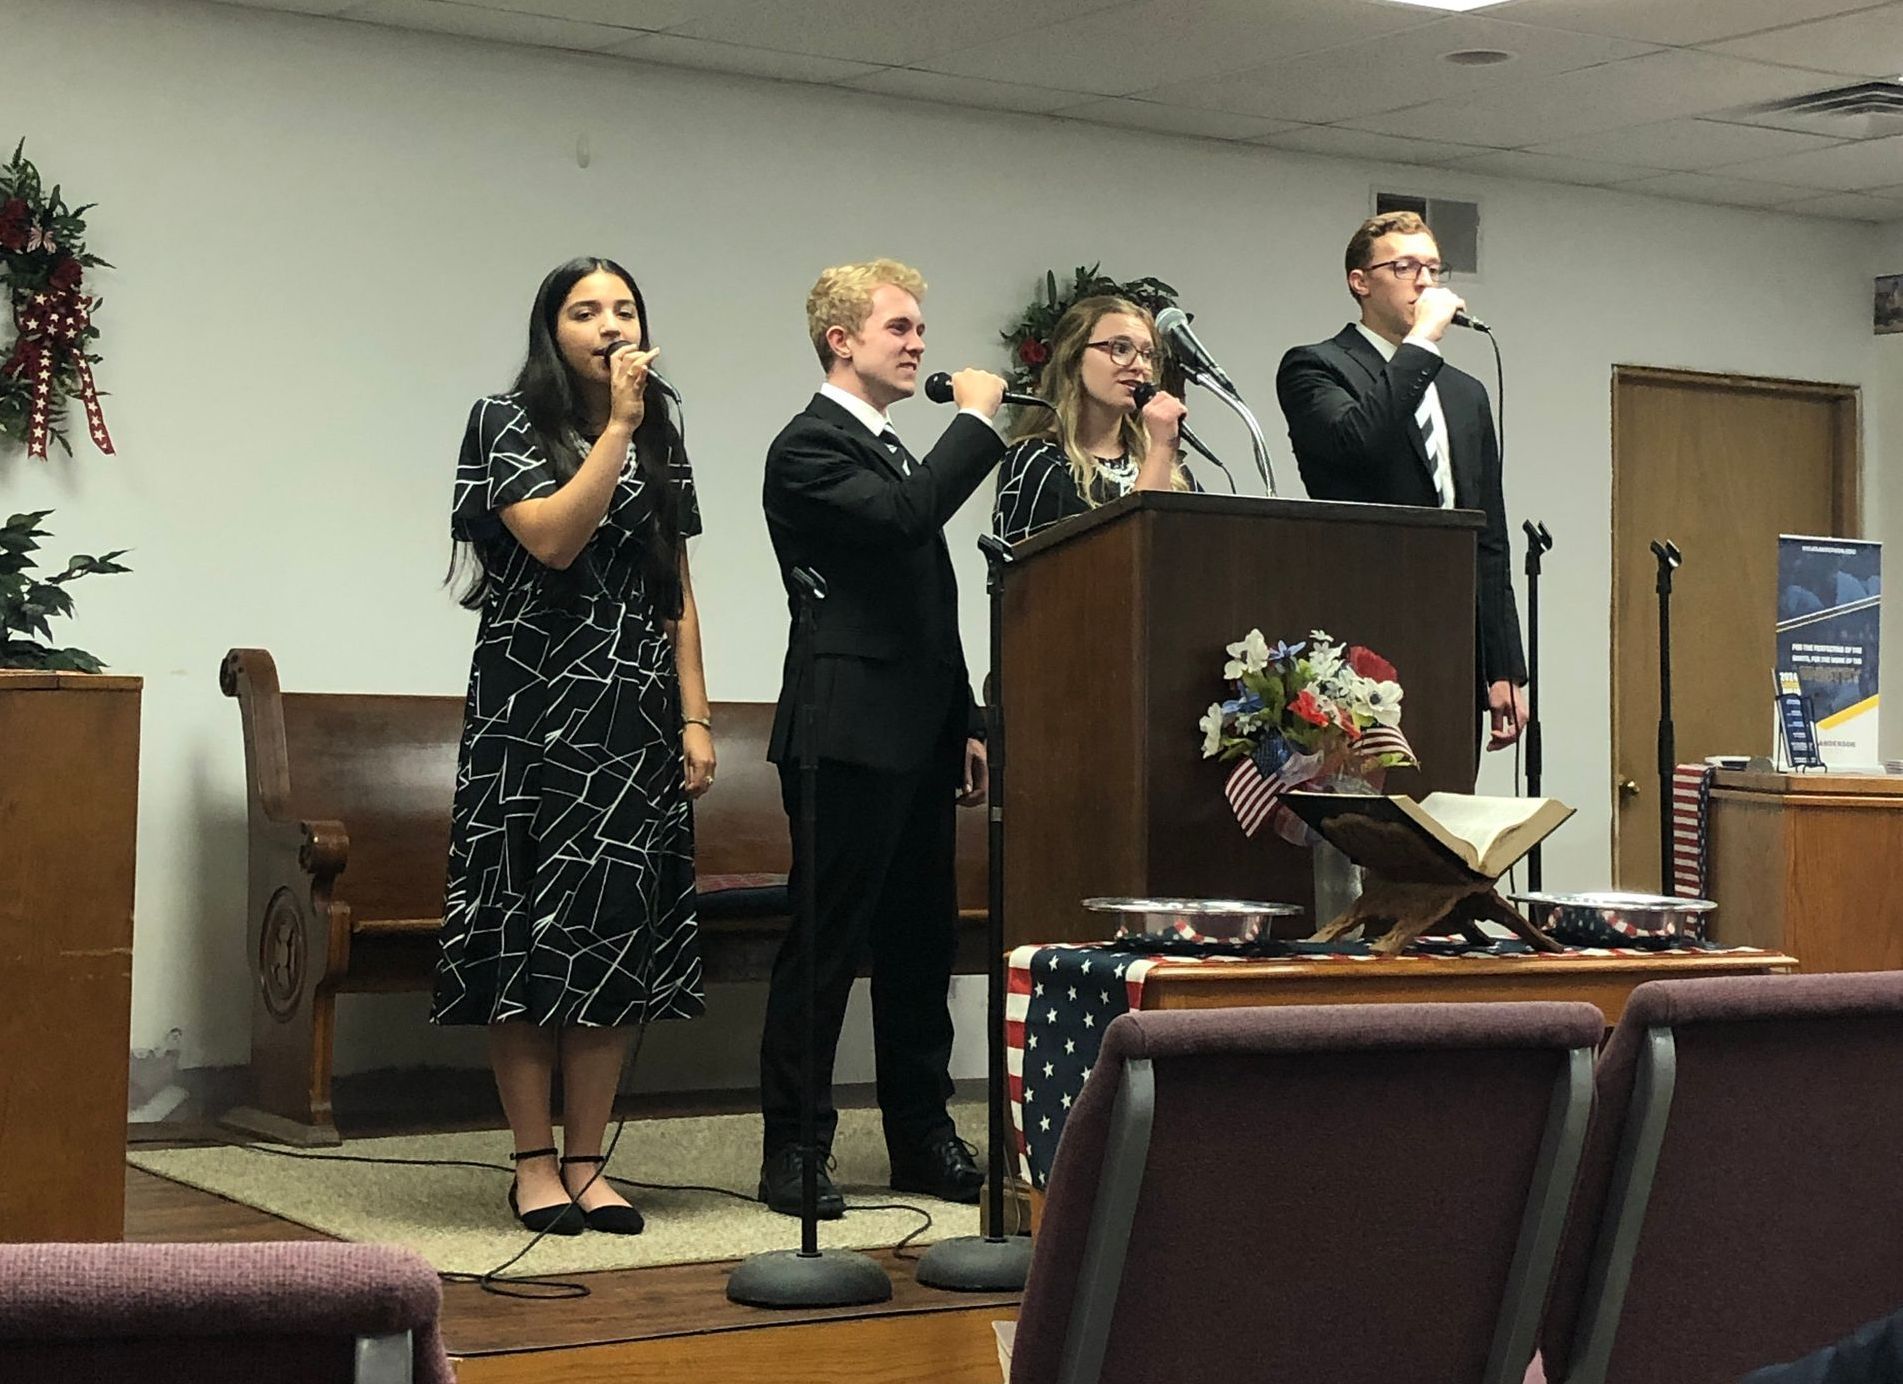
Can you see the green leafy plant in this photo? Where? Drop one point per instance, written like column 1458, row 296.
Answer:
column 1030, row 338
column 28, row 603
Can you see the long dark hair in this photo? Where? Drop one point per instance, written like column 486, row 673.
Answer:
column 549, row 397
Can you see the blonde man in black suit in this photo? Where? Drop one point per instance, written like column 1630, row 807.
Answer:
column 899, row 736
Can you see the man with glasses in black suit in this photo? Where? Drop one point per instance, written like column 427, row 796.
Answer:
column 1375, row 414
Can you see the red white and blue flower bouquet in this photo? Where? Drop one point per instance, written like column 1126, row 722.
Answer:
column 1316, row 715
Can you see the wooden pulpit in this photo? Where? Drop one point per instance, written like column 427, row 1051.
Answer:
column 1115, row 624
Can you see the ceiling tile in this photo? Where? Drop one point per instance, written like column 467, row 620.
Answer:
column 917, row 85
column 1700, row 187
column 1693, row 145
column 1173, row 120
column 673, row 50
column 1395, row 70
column 326, row 7
column 1849, row 206
column 622, row 14
column 1364, row 144
column 1842, row 168
column 1636, row 91
column 473, row 21
column 888, row 32
column 1514, row 163
column 1671, row 21
column 1866, row 44
column 1150, row 43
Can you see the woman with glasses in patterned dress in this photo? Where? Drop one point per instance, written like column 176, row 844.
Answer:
column 1093, row 444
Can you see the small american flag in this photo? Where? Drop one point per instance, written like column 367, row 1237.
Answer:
column 1252, row 793
column 1256, row 783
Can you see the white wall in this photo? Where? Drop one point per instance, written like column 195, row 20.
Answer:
column 326, row 237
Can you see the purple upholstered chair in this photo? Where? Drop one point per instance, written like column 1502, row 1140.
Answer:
column 1362, row 1194
column 1740, row 1200
column 290, row 1312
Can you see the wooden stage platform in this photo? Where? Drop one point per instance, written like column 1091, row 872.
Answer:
column 669, row 1323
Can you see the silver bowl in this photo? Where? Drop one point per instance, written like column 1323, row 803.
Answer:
column 1612, row 917
column 1194, row 920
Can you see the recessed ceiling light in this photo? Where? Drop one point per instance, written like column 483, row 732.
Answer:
column 1458, row 6
column 1478, row 57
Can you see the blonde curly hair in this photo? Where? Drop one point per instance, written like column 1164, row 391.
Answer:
column 843, row 298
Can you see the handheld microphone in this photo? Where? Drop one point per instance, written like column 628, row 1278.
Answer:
column 938, row 388
column 1173, row 324
column 1143, row 391
column 655, row 375
column 1463, row 318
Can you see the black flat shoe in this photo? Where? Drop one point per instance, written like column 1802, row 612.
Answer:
column 610, row 1220
column 562, row 1219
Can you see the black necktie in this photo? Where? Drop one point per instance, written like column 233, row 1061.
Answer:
column 897, row 448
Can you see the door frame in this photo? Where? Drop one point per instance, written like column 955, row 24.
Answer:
column 1846, row 505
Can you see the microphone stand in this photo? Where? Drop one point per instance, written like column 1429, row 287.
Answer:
column 1263, row 466
column 1668, row 558
column 810, row 1276
column 1538, row 543
column 993, row 1262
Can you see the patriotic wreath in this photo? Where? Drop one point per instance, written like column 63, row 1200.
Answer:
column 1308, row 715
column 43, row 263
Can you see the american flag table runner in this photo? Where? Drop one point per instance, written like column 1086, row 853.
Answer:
column 1059, row 1000
column 1691, row 830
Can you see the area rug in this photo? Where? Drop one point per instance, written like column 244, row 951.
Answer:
column 456, row 1217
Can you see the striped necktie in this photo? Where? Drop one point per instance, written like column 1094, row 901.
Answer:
column 1436, row 444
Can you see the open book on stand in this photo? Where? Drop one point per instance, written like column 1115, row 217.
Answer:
column 1445, row 838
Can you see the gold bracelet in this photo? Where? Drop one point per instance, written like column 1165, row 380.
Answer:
column 698, row 721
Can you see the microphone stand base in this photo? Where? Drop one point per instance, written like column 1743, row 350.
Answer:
column 790, row 1278
column 977, row 1264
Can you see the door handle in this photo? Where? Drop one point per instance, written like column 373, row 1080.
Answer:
column 1628, row 789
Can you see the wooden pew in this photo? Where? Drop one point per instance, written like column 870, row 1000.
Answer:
column 348, row 799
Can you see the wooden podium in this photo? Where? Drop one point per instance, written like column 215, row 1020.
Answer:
column 1801, row 863
column 69, row 805
column 1114, row 629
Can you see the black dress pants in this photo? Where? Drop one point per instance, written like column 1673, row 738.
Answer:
column 886, row 889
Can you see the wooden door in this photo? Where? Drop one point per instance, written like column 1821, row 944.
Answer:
column 1720, row 465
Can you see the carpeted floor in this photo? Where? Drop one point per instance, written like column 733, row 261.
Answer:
column 456, row 1217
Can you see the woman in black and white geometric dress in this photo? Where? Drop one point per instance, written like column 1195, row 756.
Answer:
column 570, row 910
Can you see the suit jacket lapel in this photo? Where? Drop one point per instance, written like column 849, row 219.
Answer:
column 870, row 446
column 1362, row 352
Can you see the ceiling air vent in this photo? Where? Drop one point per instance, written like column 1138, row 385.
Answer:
column 1862, row 111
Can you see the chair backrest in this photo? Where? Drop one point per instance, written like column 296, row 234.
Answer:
column 293, row 1312
column 1359, row 1193
column 1740, row 1200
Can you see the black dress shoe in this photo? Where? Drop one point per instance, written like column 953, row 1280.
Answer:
column 945, row 1167
column 780, row 1185
column 610, row 1219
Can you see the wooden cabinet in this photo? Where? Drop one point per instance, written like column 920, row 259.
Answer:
column 69, row 795
column 1810, row 864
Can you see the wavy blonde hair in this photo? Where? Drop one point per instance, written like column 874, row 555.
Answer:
column 1062, row 382
column 843, row 298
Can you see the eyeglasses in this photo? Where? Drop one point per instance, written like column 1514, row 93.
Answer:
column 1122, row 351
column 1409, row 270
